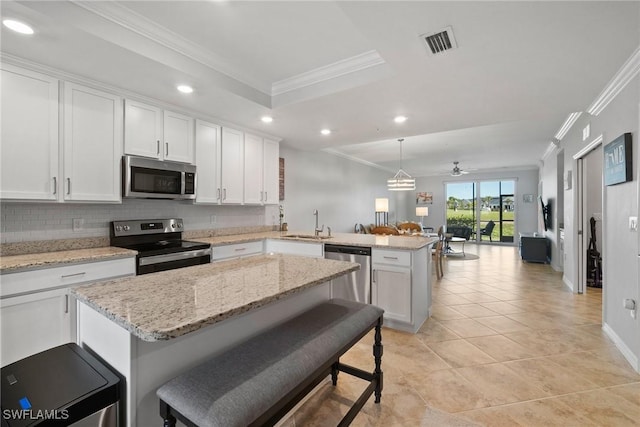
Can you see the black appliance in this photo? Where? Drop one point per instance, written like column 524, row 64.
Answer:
column 62, row 386
column 155, row 179
column 159, row 244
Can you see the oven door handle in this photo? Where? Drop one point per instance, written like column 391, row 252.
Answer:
column 178, row 256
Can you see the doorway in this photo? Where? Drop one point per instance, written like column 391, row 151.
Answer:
column 488, row 206
column 589, row 205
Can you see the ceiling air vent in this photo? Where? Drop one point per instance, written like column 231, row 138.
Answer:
column 441, row 41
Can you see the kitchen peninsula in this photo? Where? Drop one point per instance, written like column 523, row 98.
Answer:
column 152, row 327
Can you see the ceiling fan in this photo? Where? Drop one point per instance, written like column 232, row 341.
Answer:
column 456, row 171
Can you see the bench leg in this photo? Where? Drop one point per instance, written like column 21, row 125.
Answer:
column 165, row 412
column 377, row 355
column 335, row 368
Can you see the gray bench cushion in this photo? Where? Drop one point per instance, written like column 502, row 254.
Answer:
column 237, row 386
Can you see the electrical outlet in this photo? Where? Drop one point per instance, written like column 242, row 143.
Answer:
column 633, row 223
column 78, row 223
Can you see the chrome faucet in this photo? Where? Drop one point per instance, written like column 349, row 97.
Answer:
column 318, row 230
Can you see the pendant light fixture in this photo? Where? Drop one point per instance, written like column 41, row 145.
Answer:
column 401, row 181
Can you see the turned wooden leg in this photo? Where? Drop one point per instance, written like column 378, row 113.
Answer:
column 377, row 355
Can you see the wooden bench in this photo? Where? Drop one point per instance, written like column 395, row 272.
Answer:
column 259, row 381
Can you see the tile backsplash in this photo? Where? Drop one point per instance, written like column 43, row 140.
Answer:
column 23, row 222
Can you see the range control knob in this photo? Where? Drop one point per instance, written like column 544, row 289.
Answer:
column 179, row 225
column 118, row 228
column 126, row 228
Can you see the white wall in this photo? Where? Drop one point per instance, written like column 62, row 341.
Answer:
column 526, row 183
column 341, row 190
column 549, row 184
column 620, row 245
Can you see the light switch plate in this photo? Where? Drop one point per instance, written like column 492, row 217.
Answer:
column 633, row 223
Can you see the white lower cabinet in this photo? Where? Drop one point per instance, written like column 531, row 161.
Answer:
column 236, row 250
column 310, row 249
column 400, row 285
column 37, row 311
column 392, row 291
column 34, row 323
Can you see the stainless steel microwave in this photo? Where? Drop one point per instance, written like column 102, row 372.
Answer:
column 155, row 179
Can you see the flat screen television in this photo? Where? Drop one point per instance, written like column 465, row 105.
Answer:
column 545, row 214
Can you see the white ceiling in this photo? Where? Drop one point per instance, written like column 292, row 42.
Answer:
column 496, row 101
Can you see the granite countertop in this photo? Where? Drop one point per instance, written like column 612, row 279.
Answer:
column 34, row 261
column 50, row 257
column 168, row 304
column 406, row 242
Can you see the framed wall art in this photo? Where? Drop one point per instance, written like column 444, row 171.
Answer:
column 423, row 198
column 618, row 160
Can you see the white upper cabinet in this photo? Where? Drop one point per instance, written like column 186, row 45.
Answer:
column 151, row 132
column 142, row 129
column 232, row 166
column 208, row 163
column 253, row 169
column 271, row 183
column 178, row 137
column 29, row 135
column 92, row 145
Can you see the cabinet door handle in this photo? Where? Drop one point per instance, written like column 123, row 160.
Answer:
column 68, row 185
column 166, row 148
column 66, row 304
column 373, row 276
column 218, row 197
column 66, row 276
column 261, row 195
column 224, row 194
column 55, row 185
column 158, row 147
column 391, row 257
column 265, row 196
column 240, row 249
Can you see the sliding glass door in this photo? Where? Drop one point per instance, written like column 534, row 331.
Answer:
column 486, row 207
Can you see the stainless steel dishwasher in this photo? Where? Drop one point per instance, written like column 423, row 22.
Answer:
column 355, row 286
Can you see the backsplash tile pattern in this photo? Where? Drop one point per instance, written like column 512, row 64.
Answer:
column 24, row 222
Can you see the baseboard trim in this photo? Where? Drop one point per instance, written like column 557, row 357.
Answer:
column 567, row 283
column 620, row 344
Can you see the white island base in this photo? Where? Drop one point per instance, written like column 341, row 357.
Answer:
column 146, row 365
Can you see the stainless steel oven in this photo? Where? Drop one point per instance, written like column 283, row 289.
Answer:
column 155, row 179
column 159, row 244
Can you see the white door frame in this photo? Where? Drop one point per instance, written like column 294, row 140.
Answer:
column 579, row 206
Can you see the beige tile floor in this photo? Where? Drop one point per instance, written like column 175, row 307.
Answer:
column 507, row 345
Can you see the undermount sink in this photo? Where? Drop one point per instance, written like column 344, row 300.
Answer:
column 305, row 236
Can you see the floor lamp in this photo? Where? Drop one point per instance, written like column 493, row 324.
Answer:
column 382, row 211
column 422, row 211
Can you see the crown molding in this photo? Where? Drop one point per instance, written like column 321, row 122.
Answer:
column 622, row 78
column 139, row 24
column 337, row 69
column 550, row 149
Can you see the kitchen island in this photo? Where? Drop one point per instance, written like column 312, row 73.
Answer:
column 150, row 328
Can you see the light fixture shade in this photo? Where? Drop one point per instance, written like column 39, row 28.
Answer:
column 422, row 211
column 382, row 205
column 401, row 181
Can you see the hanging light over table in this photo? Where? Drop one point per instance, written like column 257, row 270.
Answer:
column 401, row 181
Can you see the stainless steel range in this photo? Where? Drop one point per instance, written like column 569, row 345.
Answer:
column 159, row 244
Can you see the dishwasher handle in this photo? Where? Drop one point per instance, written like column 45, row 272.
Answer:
column 343, row 249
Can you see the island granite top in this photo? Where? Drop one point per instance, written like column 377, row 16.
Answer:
column 168, row 304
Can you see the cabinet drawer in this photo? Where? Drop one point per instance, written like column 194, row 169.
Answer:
column 236, row 250
column 309, row 249
column 69, row 275
column 402, row 258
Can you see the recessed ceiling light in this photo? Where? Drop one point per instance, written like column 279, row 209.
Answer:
column 185, row 89
column 17, row 26
column 267, row 119
column 400, row 119
column 326, row 131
